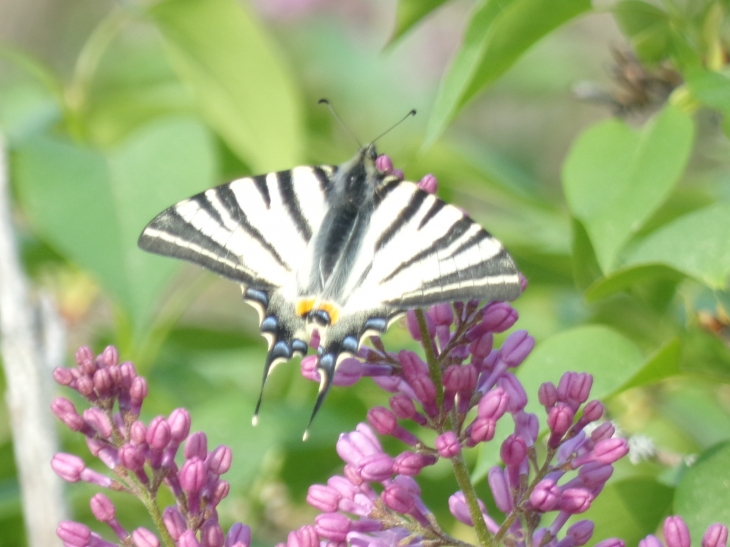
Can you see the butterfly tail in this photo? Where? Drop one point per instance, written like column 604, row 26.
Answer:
column 326, row 367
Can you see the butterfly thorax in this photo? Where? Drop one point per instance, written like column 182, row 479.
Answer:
column 338, row 241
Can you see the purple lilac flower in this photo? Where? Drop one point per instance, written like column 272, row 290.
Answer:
column 140, row 458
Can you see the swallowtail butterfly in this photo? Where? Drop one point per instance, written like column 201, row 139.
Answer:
column 341, row 249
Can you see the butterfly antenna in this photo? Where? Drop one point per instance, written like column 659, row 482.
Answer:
column 339, row 120
column 326, row 368
column 404, row 118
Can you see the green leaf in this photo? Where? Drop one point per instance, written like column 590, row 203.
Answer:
column 629, row 509
column 647, row 27
column 712, row 89
column 92, row 206
column 696, row 244
column 615, row 178
column 663, row 364
column 244, row 88
column 703, row 493
column 611, row 358
column 498, row 33
column 410, row 12
column 585, row 266
column 627, row 278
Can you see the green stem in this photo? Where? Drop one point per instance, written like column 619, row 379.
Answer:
column 472, row 502
column 434, row 368
column 151, row 505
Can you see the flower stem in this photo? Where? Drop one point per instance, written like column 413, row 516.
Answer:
column 464, row 481
column 434, row 368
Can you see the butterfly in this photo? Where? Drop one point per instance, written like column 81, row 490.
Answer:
column 341, row 249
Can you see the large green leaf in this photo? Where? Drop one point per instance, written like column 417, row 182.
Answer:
column 92, row 206
column 703, row 493
column 499, row 32
column 611, row 358
column 244, row 88
column 696, row 244
column 614, row 178
column 712, row 89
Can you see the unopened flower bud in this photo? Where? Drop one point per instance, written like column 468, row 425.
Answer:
column 142, row 537
column 239, row 535
column 399, row 500
column 196, row 446
column 74, row 534
column 179, row 422
column 715, row 536
column 158, row 433
column 428, row 184
column 448, row 444
column 193, row 475
column 500, row 489
column 174, row 522
column 306, row 536
column 219, row 461
column 332, row 526
column 382, row 420
column 676, row 532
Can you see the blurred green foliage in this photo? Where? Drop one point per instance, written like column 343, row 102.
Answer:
column 126, row 108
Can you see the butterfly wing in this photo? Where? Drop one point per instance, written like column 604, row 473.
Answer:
column 417, row 251
column 254, row 231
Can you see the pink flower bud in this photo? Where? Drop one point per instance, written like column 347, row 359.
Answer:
column 239, row 535
column 99, row 421
column 493, row 404
column 482, row 346
column 715, row 536
column 376, row 467
column 411, row 464
column 611, row 542
column 193, row 475
column 219, row 461
column 144, row 538
column 384, row 164
column 66, row 412
column 382, row 420
column 211, row 534
column 323, row 498
column 179, row 422
column 500, row 489
column 398, row 499
column 348, row 372
column 545, row 495
column 547, row 395
column 188, row 539
column 158, row 433
column 603, row 432
column 74, row 534
column 332, row 526
column 515, row 392
column 306, row 536
column 610, row 450
column 580, row 532
column 102, row 508
column 63, row 376
column 67, row 466
column 196, row 446
column 448, row 445
column 174, row 522
column 84, row 354
column 513, row 451
column 109, row 357
column 103, row 383
column 676, row 532
column 482, row 430
column 516, row 347
column 428, row 184
column 575, row 500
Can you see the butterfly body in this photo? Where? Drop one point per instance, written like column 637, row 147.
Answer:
column 343, row 250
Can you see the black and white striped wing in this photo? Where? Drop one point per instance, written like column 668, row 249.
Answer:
column 425, row 252
column 254, row 230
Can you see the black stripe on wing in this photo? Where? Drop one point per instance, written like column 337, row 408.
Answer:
column 171, row 235
column 229, row 200
column 291, row 202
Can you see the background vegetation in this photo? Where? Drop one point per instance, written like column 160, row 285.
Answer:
column 589, row 137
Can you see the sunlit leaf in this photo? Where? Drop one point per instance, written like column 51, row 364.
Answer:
column 712, row 89
column 499, row 32
column 243, row 86
column 614, row 178
column 92, row 207
column 696, row 244
column 703, row 493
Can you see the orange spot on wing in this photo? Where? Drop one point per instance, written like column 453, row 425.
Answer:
column 304, row 306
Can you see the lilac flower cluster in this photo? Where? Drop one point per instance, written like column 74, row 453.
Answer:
column 462, row 389
column 141, row 459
